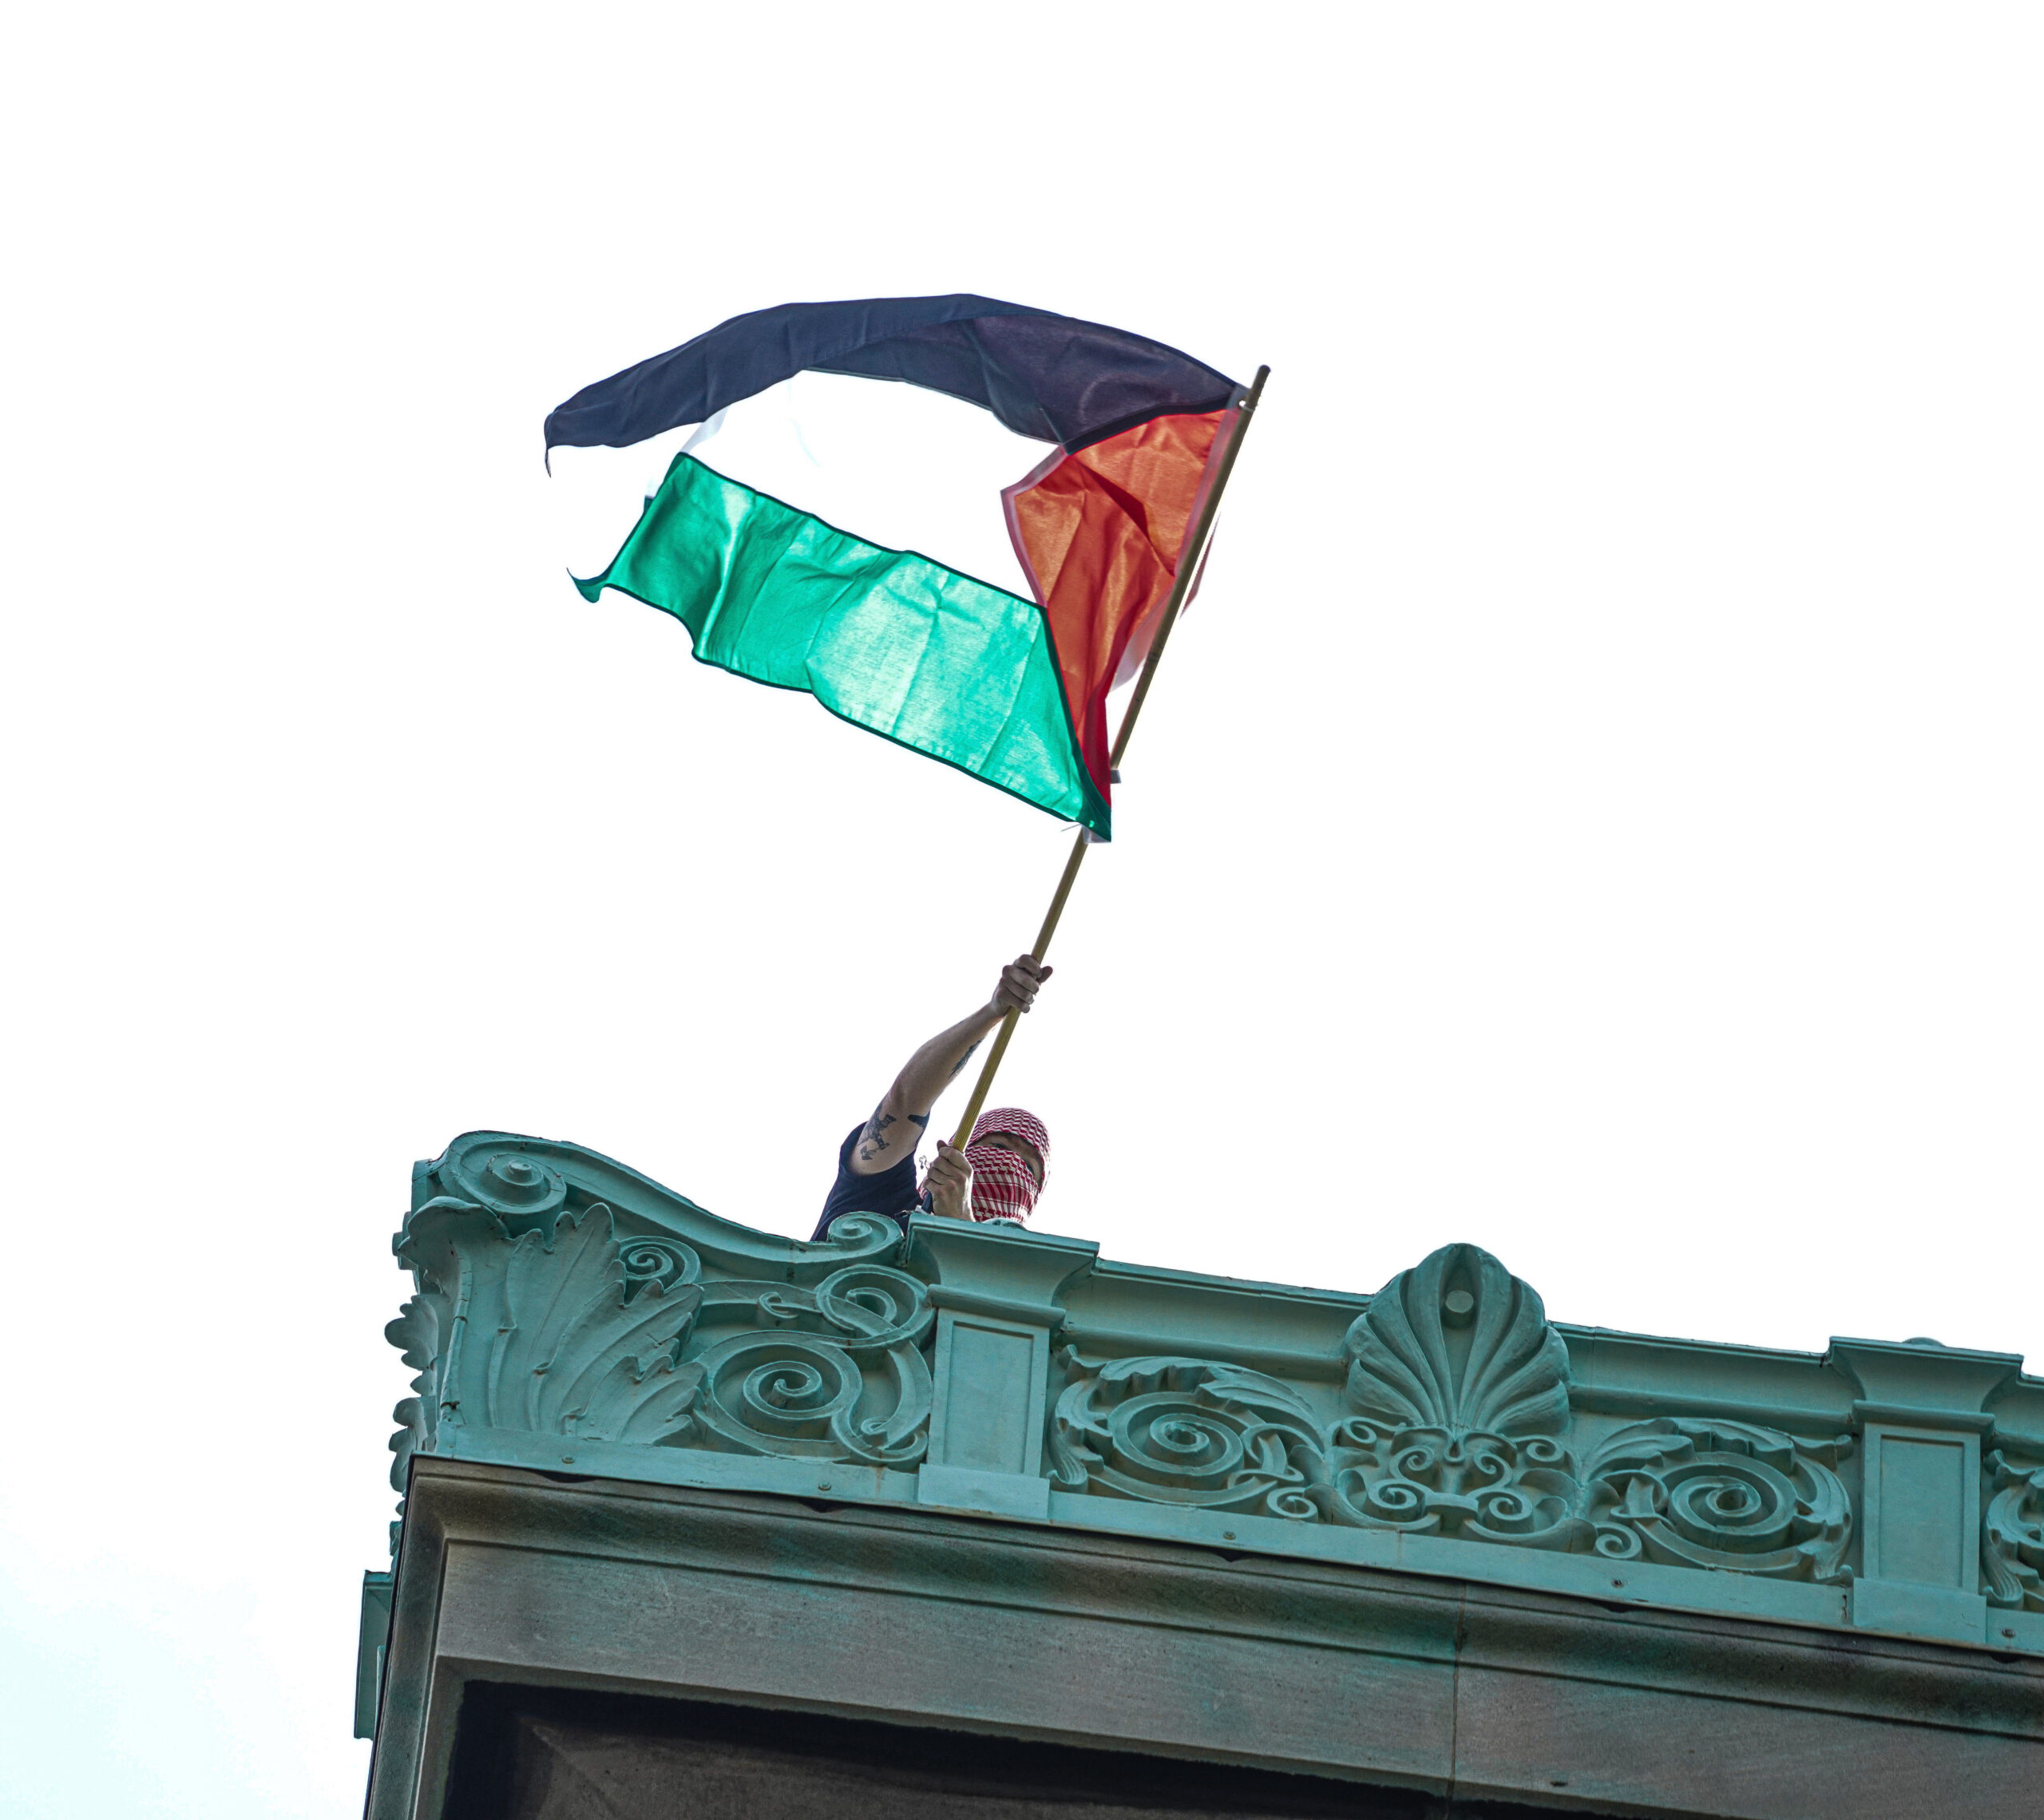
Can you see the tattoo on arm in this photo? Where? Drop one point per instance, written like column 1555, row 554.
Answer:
column 959, row 1063
column 873, row 1139
column 871, row 1142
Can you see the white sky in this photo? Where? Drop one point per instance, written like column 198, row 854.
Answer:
column 857, row 452
column 1592, row 812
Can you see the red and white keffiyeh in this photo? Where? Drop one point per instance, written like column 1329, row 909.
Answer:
column 1003, row 1187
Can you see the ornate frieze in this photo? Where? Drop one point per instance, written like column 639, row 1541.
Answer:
column 560, row 1296
column 1456, row 1424
column 535, row 1315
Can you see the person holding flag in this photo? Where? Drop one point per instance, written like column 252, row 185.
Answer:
column 825, row 567
column 998, row 1173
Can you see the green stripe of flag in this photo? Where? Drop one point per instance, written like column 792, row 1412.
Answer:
column 887, row 640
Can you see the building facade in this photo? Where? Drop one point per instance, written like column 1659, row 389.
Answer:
column 698, row 1521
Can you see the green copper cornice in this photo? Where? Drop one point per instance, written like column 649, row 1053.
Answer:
column 571, row 1314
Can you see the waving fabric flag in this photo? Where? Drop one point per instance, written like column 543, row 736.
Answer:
column 798, row 559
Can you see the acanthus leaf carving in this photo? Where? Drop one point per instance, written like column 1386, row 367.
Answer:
column 563, row 1326
column 418, row 1333
column 2012, row 1534
column 573, row 1354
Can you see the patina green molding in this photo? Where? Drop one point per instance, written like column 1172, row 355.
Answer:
column 1457, row 1391
column 2012, row 1548
column 545, row 1311
column 570, row 1313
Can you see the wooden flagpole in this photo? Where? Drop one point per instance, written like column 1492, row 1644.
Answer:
column 1195, row 553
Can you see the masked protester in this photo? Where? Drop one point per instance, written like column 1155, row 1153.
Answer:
column 1008, row 1156
column 999, row 1174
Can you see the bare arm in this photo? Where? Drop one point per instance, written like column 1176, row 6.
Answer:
column 903, row 1114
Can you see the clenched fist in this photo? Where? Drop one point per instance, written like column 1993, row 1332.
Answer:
column 1020, row 982
column 950, row 1183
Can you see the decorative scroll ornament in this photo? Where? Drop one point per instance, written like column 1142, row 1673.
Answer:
column 640, row 1318
column 1721, row 1495
column 2012, row 1535
column 656, row 1264
column 515, row 1182
column 1459, row 1391
column 1183, row 1431
column 838, row 1375
column 1460, row 1384
column 569, row 1329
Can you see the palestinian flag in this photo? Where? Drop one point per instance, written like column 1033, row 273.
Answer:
column 954, row 521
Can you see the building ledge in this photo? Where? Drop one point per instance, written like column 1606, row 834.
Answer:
column 575, row 1318
column 979, row 1478
column 1394, row 1685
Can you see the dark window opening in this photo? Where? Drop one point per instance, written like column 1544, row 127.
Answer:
column 524, row 1753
